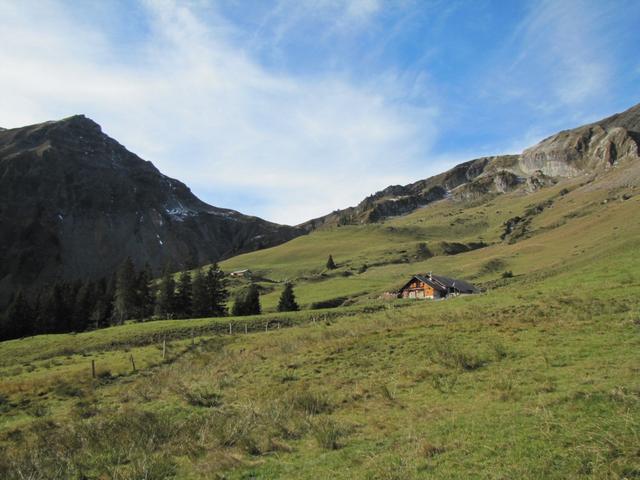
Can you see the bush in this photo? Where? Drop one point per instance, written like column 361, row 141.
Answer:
column 327, row 433
column 311, row 403
column 202, row 396
column 65, row 389
column 507, row 274
column 331, row 303
column 449, row 355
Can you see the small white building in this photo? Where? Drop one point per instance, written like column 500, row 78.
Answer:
column 246, row 273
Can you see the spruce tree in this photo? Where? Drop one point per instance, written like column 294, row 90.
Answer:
column 331, row 265
column 184, row 295
column 239, row 305
column 144, row 293
column 217, row 291
column 247, row 303
column 252, row 301
column 165, row 304
column 18, row 318
column 101, row 312
column 287, row 301
column 200, row 305
column 125, row 295
column 83, row 306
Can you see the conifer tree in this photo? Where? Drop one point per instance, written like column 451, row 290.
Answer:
column 83, row 306
column 252, row 301
column 200, row 305
column 165, row 304
column 144, row 293
column 238, row 308
column 101, row 312
column 287, row 301
column 125, row 294
column 217, row 291
column 183, row 295
column 18, row 319
column 247, row 303
column 331, row 265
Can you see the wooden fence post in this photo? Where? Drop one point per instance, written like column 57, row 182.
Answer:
column 93, row 368
column 245, row 328
column 230, row 329
column 164, row 347
column 193, row 342
column 133, row 363
column 266, row 326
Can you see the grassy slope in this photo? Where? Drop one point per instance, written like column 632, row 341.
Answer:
column 556, row 235
column 537, row 378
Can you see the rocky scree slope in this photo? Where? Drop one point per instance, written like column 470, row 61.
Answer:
column 74, row 203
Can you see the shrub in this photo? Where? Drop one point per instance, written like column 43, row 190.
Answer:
column 507, row 274
column 444, row 382
column 449, row 355
column 331, row 303
column 65, row 389
column 4, row 403
column 327, row 433
column 428, row 450
column 310, row 402
column 202, row 396
column 493, row 265
column 387, row 394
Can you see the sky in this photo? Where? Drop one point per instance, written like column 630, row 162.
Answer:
column 290, row 109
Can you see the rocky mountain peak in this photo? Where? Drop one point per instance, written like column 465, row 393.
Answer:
column 74, row 203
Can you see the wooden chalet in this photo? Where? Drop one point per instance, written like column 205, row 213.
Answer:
column 435, row 286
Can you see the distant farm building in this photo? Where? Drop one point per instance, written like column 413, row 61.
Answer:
column 435, row 286
column 241, row 273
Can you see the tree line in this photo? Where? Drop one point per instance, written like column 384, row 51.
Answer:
column 129, row 294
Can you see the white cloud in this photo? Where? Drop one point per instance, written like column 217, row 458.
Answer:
column 559, row 56
column 205, row 112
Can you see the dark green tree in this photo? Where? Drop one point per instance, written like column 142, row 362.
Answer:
column 287, row 301
column 18, row 319
column 125, row 298
column 144, row 293
column 183, row 295
column 200, row 304
column 165, row 302
column 103, row 308
column 331, row 265
column 83, row 306
column 247, row 303
column 217, row 291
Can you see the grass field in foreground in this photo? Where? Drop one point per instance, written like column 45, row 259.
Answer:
column 536, row 379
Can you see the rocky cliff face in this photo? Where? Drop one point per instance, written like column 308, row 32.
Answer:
column 75, row 203
column 591, row 149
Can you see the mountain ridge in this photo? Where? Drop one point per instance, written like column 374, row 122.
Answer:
column 591, row 148
column 74, row 203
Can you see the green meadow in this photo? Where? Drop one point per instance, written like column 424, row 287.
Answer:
column 536, row 377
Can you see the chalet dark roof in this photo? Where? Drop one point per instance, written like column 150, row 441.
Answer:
column 443, row 284
column 460, row 285
column 425, row 278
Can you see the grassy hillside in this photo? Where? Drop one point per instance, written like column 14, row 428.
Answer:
column 538, row 377
column 390, row 250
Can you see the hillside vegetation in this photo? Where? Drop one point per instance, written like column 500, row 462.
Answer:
column 538, row 377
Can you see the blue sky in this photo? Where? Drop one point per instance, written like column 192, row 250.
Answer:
column 290, row 109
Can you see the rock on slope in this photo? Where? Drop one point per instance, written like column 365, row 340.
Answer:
column 75, row 203
column 592, row 149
